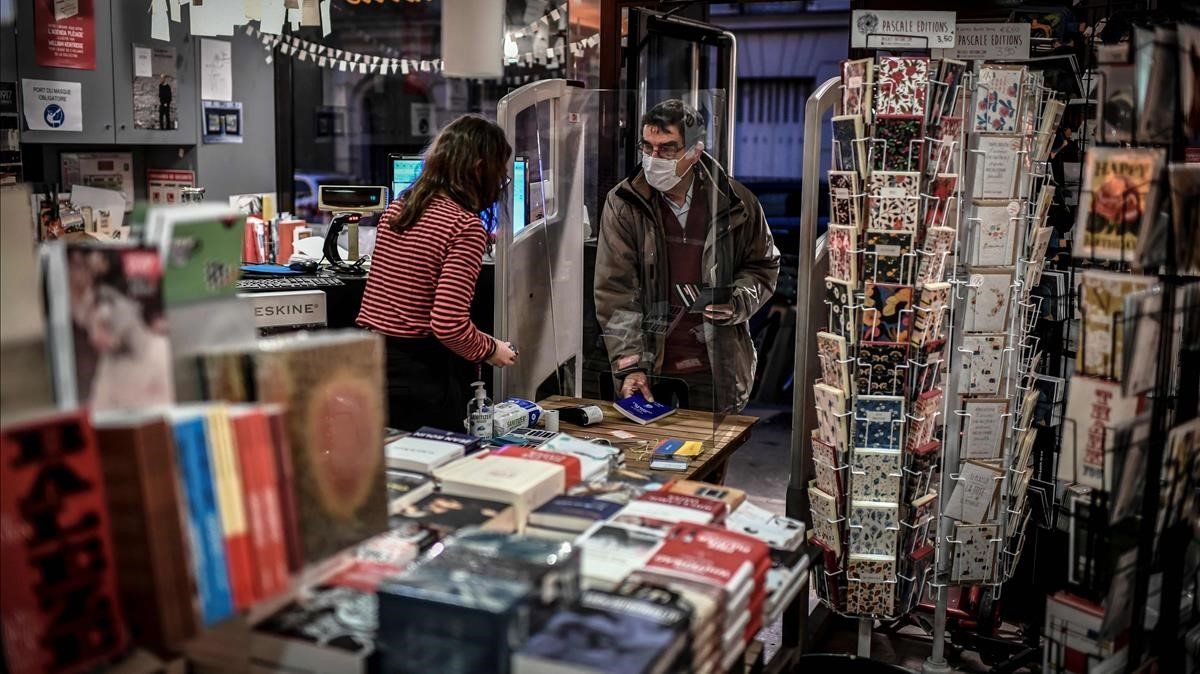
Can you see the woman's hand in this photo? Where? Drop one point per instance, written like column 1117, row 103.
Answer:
column 503, row 355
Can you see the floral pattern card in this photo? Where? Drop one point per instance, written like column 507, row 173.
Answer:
column 849, row 145
column 924, row 420
column 893, row 200
column 943, row 91
column 1114, row 200
column 994, row 232
column 886, row 312
column 928, row 366
column 856, row 87
column 994, row 162
column 825, row 519
column 998, row 98
column 984, row 425
column 901, row 86
column 843, row 315
column 882, row 369
column 988, row 293
column 945, row 146
column 827, row 468
column 981, row 364
column 939, row 241
column 940, row 199
column 879, row 422
column 975, row 553
column 874, row 527
column 875, row 474
column 897, row 144
column 871, row 586
column 930, row 313
column 833, row 351
column 1102, row 342
column 842, row 243
column 887, row 256
column 844, row 197
column 832, row 417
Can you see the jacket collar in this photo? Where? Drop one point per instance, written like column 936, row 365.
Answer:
column 636, row 190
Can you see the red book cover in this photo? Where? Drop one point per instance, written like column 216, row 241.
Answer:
column 569, row 463
column 714, row 507
column 275, row 560
column 287, row 491
column 58, row 586
column 247, row 454
column 712, row 554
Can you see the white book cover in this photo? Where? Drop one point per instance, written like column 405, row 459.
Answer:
column 662, row 512
column 523, row 483
column 419, row 454
column 612, row 550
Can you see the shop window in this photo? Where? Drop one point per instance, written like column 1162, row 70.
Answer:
column 770, row 127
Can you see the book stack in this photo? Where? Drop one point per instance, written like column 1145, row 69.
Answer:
column 618, row 632
column 564, row 518
column 785, row 537
column 663, row 508
column 734, row 563
column 613, row 550
column 516, row 479
column 442, row 514
column 406, row 488
column 708, row 613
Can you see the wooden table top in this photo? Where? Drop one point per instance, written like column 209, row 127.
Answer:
column 719, row 441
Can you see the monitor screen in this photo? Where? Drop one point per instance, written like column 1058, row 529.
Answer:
column 406, row 169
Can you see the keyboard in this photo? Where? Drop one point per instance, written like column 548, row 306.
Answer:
column 289, row 283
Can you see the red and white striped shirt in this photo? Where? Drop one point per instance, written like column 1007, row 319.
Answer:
column 423, row 278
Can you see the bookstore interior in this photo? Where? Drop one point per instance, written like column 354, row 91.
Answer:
column 254, row 420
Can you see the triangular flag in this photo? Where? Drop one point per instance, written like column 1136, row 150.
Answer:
column 403, row 66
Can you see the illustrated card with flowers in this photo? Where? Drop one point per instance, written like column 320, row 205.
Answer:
column 897, row 144
column 871, row 585
column 874, row 527
column 887, row 256
column 875, row 474
column 887, row 312
column 844, row 197
column 856, row 87
column 998, row 98
column 833, row 420
column 945, row 87
column 901, row 86
column 894, row 199
column 849, row 145
column 882, row 369
column 945, row 146
column 940, row 198
column 930, row 312
column 843, row 314
column 988, row 293
column 842, row 243
column 879, row 423
column 826, row 519
column 833, row 351
column 828, row 468
column 994, row 226
column 939, row 241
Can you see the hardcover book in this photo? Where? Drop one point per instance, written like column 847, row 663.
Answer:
column 231, row 503
column 332, row 385
column 1102, row 342
column 777, row 531
column 260, row 483
column 572, row 469
column 887, row 312
column 59, row 596
column 420, row 455
column 894, row 200
column 656, row 507
column 1113, row 201
column 611, row 550
column 902, row 86
column 406, row 487
column 523, row 483
column 879, row 423
column 734, row 498
column 573, row 513
column 888, row 256
column 446, row 514
column 875, row 474
column 874, row 528
column 726, row 559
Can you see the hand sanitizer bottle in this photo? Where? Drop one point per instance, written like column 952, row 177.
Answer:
column 479, row 412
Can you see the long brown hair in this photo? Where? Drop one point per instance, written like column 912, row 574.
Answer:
column 467, row 162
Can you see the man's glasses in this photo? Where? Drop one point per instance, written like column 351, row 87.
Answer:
column 670, row 150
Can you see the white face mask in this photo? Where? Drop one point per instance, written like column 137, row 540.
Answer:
column 660, row 173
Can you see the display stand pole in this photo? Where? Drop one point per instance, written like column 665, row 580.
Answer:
column 865, row 627
column 936, row 662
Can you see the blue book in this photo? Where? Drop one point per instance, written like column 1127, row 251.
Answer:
column 470, row 443
column 573, row 513
column 637, row 408
column 203, row 521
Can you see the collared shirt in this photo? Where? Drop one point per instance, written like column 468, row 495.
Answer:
column 681, row 212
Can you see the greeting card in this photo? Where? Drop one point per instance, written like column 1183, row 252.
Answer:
column 981, row 364
column 1113, row 201
column 842, row 243
column 832, row 417
column 997, row 98
column 944, row 89
column 945, row 147
column 871, row 586
column 833, row 352
column 921, row 464
column 930, row 313
column 994, row 228
column 940, row 198
column 879, row 422
column 901, row 85
column 924, row 421
column 1094, row 408
column 881, row 369
column 1118, row 109
column 1102, row 340
column 826, row 519
column 857, row 87
column 975, row 492
column 893, row 200
column 975, row 553
column 844, row 198
column 897, row 144
column 993, row 162
column 886, row 312
column 849, row 146
column 827, row 468
column 874, row 527
column 939, row 241
column 988, row 293
column 984, row 424
column 875, row 474
column 843, row 315
column 887, row 256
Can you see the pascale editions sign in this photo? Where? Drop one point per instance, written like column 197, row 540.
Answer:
column 65, row 34
column 882, row 29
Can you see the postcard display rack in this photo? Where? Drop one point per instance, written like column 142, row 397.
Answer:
column 1130, row 453
column 938, row 200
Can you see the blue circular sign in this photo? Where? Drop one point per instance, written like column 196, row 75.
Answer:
column 55, row 117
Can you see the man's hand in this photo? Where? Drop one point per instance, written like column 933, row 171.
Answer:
column 503, row 355
column 719, row 313
column 636, row 383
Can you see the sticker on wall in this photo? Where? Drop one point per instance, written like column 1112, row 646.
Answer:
column 52, row 106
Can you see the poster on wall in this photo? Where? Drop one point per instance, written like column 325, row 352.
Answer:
column 216, row 70
column 104, row 170
column 154, row 88
column 52, row 106
column 64, row 34
column 165, row 186
column 222, row 122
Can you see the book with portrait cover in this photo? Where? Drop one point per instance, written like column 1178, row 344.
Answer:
column 1113, row 201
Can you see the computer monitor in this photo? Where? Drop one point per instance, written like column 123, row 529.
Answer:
column 406, row 168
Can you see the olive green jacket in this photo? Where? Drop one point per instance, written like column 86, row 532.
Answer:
column 632, row 289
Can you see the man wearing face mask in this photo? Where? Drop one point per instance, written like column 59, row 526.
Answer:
column 679, row 224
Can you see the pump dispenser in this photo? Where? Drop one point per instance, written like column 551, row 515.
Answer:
column 479, row 412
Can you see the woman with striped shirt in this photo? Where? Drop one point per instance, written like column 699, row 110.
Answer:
column 428, row 253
